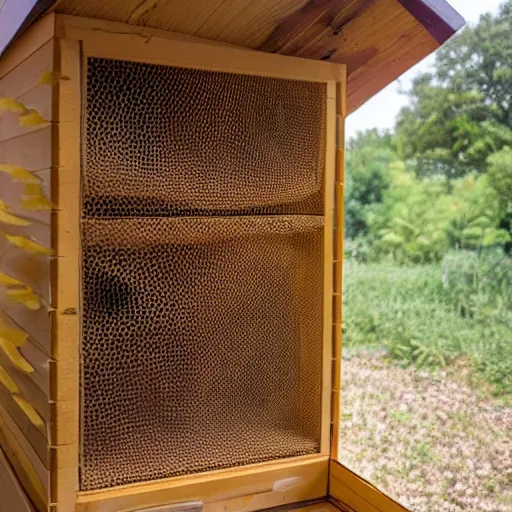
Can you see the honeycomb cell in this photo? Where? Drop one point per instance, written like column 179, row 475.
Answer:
column 201, row 344
column 168, row 141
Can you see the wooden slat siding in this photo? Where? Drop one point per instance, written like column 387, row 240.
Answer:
column 39, row 98
column 36, row 231
column 33, row 354
column 26, row 445
column 29, row 268
column 26, row 74
column 14, row 151
column 24, row 461
column 65, row 375
column 356, row 493
column 14, row 13
column 13, row 497
column 29, row 147
column 34, row 38
column 10, row 126
column 28, row 389
column 14, row 435
column 39, row 361
column 35, row 323
column 21, row 84
column 11, row 193
column 37, row 437
column 31, row 348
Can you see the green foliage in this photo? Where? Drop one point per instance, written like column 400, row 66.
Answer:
column 500, row 175
column 475, row 214
column 448, row 132
column 500, row 178
column 443, row 179
column 418, row 220
column 479, row 287
column 461, row 112
column 429, row 212
column 434, row 314
column 408, row 225
column 480, row 59
column 366, row 170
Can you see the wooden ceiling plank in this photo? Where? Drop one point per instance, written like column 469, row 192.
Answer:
column 309, row 23
column 246, row 22
column 113, row 10
column 355, row 39
column 370, row 79
column 361, row 42
column 181, row 16
column 377, row 39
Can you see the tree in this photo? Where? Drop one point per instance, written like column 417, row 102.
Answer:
column 475, row 214
column 443, row 179
column 420, row 219
column 461, row 113
column 448, row 132
column 366, row 177
column 480, row 59
column 500, row 178
column 412, row 222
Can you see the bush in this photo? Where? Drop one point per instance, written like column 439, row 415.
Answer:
column 419, row 220
column 479, row 287
column 431, row 315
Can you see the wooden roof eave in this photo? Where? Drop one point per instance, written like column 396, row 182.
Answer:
column 378, row 40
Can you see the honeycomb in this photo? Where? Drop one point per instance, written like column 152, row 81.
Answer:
column 167, row 141
column 201, row 344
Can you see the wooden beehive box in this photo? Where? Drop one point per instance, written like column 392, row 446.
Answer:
column 169, row 320
column 171, row 247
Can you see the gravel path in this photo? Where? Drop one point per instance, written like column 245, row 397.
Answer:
column 430, row 443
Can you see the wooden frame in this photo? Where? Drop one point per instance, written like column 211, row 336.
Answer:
column 339, row 179
column 248, row 488
column 66, row 230
column 350, row 492
column 309, row 32
column 252, row 487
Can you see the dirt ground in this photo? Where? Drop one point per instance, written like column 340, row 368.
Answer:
column 431, row 443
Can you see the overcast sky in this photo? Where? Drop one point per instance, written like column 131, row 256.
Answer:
column 381, row 110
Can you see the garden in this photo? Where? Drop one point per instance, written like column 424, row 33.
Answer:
column 427, row 315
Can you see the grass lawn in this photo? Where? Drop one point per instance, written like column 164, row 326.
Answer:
column 431, row 316
column 427, row 382
column 430, row 443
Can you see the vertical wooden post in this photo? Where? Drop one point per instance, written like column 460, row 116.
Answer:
column 337, row 270
column 66, row 236
column 329, row 212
